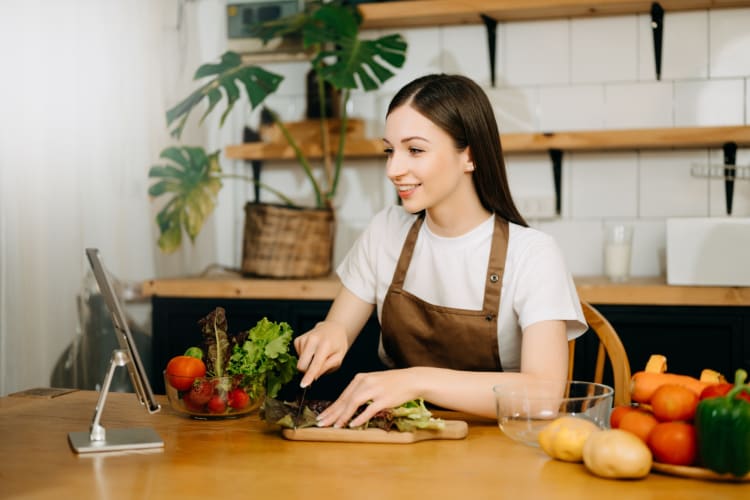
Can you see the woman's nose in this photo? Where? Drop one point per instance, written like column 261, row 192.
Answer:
column 394, row 168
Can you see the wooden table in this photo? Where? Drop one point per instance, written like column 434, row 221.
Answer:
column 247, row 458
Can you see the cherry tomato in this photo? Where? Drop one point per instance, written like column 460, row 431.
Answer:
column 183, row 370
column 238, row 398
column 216, row 404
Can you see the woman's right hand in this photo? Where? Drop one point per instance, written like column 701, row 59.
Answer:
column 321, row 350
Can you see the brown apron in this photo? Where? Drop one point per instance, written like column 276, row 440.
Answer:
column 416, row 333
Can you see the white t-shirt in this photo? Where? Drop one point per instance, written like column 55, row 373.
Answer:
column 451, row 272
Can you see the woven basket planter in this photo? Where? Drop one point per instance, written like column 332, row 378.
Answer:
column 286, row 242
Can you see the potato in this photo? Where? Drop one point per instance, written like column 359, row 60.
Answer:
column 563, row 438
column 618, row 454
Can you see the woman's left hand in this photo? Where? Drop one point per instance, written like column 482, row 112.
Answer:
column 384, row 389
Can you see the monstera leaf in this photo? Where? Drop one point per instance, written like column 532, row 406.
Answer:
column 331, row 32
column 192, row 178
column 258, row 84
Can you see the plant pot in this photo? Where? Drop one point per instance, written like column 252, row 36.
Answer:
column 287, row 242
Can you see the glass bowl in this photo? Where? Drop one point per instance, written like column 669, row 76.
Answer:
column 212, row 397
column 524, row 408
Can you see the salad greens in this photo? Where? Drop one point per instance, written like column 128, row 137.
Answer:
column 259, row 357
column 407, row 417
column 264, row 359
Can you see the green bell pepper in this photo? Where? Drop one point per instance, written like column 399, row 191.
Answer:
column 723, row 427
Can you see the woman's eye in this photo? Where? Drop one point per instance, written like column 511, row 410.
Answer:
column 388, row 151
column 414, row 150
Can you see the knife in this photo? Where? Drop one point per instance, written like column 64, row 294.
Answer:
column 300, row 405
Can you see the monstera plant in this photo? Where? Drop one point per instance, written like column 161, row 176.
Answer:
column 191, row 178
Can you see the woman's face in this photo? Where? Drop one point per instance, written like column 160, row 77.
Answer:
column 424, row 164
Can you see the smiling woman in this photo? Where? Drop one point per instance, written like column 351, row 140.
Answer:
column 82, row 113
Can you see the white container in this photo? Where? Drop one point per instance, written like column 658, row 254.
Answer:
column 708, row 251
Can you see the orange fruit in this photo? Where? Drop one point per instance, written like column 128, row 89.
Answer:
column 672, row 402
column 617, row 413
column 673, row 443
column 638, row 422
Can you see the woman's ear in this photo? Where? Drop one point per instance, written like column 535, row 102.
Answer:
column 468, row 161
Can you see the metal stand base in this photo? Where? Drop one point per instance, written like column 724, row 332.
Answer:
column 137, row 438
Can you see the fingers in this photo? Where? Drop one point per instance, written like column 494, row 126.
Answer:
column 359, row 391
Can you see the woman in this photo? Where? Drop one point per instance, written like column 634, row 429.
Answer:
column 435, row 268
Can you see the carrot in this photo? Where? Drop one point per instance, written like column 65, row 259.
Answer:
column 643, row 384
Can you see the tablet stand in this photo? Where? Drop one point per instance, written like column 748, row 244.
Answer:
column 99, row 439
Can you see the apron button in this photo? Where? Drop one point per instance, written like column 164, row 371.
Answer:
column 494, row 277
column 489, row 317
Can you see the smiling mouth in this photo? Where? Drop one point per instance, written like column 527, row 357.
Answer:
column 406, row 190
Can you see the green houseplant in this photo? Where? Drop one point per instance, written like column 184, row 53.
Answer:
column 192, row 178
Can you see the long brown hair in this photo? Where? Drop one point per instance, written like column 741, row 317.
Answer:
column 461, row 108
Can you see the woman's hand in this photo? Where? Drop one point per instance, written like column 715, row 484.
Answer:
column 321, row 350
column 385, row 389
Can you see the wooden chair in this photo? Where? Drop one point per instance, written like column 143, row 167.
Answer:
column 609, row 346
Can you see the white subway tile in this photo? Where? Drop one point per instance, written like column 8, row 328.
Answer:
column 466, row 52
column 602, row 184
column 638, row 105
column 536, row 52
column 709, row 103
column 530, row 176
column 571, row 108
column 684, row 46
column 730, row 42
column 364, row 106
column 666, row 186
column 361, row 190
column 422, row 56
column 604, row 49
column 295, row 76
column 580, row 243
column 648, row 255
column 515, row 108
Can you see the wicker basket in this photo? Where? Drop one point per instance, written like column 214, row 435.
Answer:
column 286, row 242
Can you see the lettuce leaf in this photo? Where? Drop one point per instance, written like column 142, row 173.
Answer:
column 264, row 359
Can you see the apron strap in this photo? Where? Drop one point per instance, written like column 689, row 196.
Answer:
column 406, row 252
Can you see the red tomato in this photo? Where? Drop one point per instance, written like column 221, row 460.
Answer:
column 673, row 443
column 216, row 404
column 238, row 398
column 715, row 390
column 183, row 370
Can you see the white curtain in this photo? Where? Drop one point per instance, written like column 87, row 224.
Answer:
column 84, row 86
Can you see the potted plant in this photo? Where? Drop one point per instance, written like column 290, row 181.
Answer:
column 281, row 239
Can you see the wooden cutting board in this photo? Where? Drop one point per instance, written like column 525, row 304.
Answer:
column 454, row 429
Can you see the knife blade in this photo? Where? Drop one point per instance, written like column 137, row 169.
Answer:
column 300, row 405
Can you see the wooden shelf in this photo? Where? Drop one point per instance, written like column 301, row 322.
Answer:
column 420, row 13
column 598, row 140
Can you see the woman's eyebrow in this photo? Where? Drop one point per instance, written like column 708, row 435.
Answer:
column 407, row 139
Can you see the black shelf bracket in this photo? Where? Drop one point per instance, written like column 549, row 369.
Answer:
column 657, row 28
column 730, row 169
column 556, row 155
column 491, row 26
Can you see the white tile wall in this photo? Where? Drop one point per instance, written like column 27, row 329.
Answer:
column 573, row 74
column 613, row 58
column 536, row 52
column 729, row 44
column 638, row 105
column 465, row 51
column 516, row 108
column 666, row 186
column 578, row 107
column 684, row 46
column 709, row 103
column 602, row 185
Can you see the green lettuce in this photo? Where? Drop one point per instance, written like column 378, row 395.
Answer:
column 264, row 359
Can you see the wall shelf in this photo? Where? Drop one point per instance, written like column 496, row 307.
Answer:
column 519, row 143
column 421, row 13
